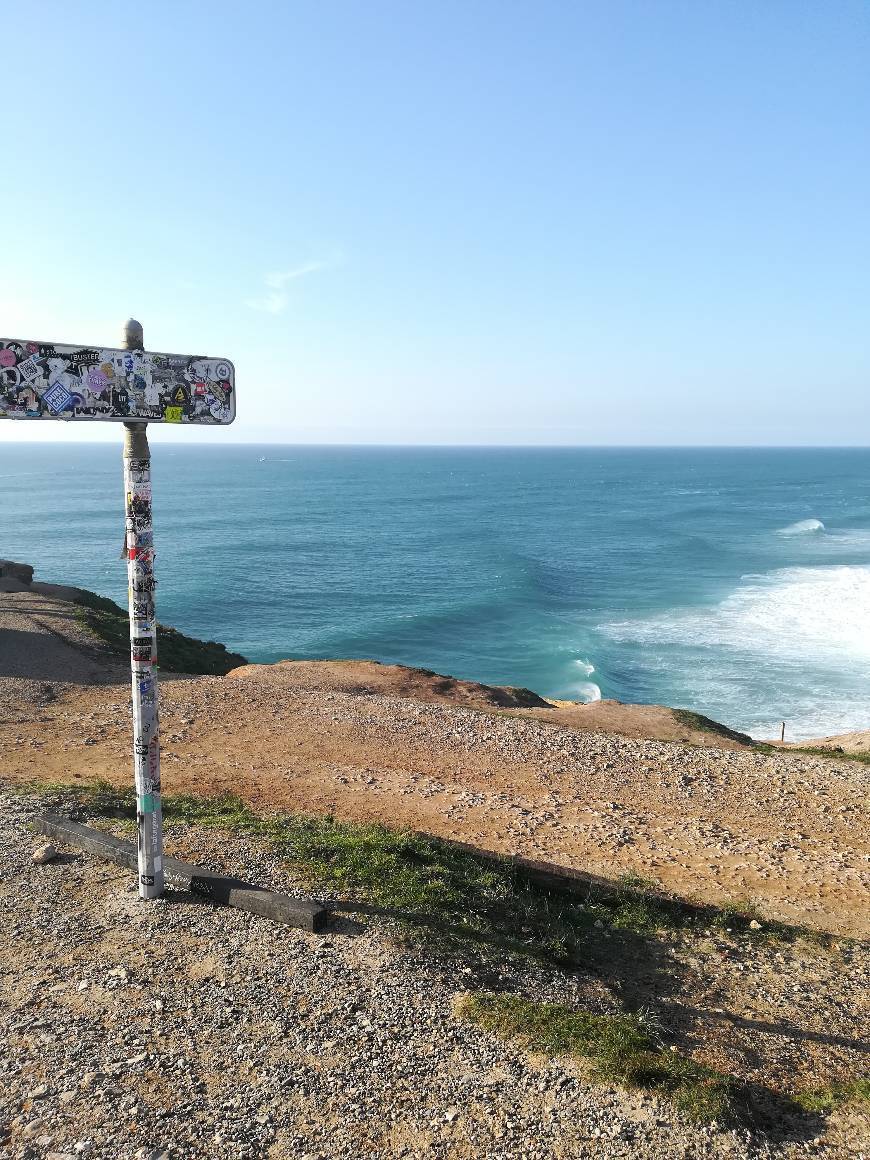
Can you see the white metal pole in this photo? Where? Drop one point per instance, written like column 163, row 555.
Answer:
column 143, row 643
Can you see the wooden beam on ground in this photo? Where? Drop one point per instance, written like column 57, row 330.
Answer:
column 560, row 879
column 297, row 912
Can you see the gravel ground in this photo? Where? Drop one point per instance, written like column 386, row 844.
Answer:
column 175, row 1029
column 785, row 830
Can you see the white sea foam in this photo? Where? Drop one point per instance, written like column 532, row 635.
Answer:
column 797, row 613
column 587, row 692
column 797, row 639
column 588, row 669
column 802, row 528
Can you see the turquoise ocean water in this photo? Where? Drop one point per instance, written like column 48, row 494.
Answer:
column 733, row 582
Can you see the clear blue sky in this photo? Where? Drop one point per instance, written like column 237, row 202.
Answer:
column 454, row 221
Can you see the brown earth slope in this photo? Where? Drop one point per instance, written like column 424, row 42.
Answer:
column 717, row 821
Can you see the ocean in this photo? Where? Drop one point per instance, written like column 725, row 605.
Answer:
column 732, row 582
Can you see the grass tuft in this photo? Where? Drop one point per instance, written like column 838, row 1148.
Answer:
column 619, row 1048
column 423, row 879
column 838, row 1095
column 835, row 753
column 702, row 724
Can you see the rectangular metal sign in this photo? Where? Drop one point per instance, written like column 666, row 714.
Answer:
column 43, row 380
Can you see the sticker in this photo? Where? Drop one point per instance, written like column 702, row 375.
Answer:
column 140, row 648
column 143, row 609
column 56, row 398
column 147, row 804
column 146, row 879
column 121, row 400
column 139, row 504
column 119, row 385
column 84, row 356
column 29, row 368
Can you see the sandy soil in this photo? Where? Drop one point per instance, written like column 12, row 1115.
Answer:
column 846, row 742
column 718, row 822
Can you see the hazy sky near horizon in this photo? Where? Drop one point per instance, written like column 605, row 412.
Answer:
column 456, row 221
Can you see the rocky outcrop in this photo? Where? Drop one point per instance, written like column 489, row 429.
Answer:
column 18, row 577
column 14, row 577
column 372, row 677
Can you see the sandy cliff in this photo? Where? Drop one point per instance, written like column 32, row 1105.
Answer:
column 606, row 788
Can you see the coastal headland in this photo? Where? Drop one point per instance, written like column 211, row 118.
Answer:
column 604, row 788
column 713, row 906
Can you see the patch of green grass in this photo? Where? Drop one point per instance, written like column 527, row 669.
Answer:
column 176, row 652
column 812, row 751
column 620, row 1049
column 702, row 724
column 838, row 1095
column 425, row 880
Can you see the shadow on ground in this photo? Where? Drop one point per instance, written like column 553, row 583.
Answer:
column 482, row 921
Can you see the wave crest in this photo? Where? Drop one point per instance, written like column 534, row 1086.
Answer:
column 792, row 644
column 587, row 692
column 802, row 528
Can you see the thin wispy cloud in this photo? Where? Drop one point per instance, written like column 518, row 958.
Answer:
column 276, row 298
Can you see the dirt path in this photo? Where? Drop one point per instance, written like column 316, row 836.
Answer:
column 41, row 640
column 714, row 823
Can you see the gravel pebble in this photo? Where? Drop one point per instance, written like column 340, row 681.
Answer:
column 209, row 1032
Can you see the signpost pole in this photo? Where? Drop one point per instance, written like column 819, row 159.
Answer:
column 42, row 381
column 143, row 641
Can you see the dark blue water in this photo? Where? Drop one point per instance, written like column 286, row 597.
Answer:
column 734, row 582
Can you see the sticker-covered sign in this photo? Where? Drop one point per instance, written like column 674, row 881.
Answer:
column 41, row 380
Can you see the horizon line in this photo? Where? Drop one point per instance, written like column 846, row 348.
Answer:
column 473, row 446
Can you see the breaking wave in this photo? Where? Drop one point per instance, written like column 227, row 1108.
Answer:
column 796, row 640
column 802, row 528
column 587, row 692
column 793, row 613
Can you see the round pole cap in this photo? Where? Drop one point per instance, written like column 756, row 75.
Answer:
column 133, row 337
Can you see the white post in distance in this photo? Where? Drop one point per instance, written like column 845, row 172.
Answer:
column 143, row 643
